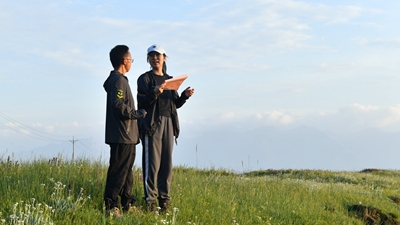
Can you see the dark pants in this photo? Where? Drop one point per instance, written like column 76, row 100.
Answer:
column 157, row 162
column 120, row 176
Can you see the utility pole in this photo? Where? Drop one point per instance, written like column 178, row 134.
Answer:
column 73, row 148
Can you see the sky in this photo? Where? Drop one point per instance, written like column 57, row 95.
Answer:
column 330, row 65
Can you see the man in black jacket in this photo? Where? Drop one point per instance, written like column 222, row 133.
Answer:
column 121, row 131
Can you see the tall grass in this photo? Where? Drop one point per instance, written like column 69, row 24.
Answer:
column 199, row 196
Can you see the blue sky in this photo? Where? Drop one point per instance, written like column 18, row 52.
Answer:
column 332, row 65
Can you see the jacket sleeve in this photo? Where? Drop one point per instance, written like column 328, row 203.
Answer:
column 119, row 102
column 179, row 100
column 145, row 95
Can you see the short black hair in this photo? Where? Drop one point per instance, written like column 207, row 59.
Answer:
column 117, row 55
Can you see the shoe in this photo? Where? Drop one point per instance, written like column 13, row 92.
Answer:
column 130, row 209
column 151, row 207
column 127, row 201
column 165, row 207
column 115, row 212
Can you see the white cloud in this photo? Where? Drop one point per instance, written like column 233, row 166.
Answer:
column 275, row 118
column 344, row 14
column 39, row 131
column 228, row 116
column 227, row 35
column 350, row 118
column 242, row 31
column 48, row 128
column 357, row 117
column 27, row 132
column 286, row 119
column 394, row 42
column 4, row 133
column 363, row 108
column 14, row 128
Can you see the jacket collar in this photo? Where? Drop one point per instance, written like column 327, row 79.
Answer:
column 118, row 74
column 153, row 74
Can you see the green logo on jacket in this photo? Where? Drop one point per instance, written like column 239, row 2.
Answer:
column 120, row 93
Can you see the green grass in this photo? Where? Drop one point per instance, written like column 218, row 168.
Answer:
column 203, row 196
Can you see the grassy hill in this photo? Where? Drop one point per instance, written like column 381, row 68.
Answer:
column 54, row 191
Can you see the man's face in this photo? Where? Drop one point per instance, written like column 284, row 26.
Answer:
column 128, row 62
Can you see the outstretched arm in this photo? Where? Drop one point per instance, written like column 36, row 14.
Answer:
column 187, row 93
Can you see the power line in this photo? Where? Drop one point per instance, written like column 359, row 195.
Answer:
column 91, row 150
column 19, row 124
column 34, row 133
column 43, row 138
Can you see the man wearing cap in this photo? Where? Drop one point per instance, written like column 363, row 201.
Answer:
column 121, row 132
column 158, row 128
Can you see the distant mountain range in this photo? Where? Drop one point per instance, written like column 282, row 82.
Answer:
column 89, row 148
column 264, row 148
column 298, row 148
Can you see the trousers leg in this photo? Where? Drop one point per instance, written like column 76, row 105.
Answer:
column 126, row 192
column 164, row 178
column 119, row 176
column 157, row 161
column 151, row 164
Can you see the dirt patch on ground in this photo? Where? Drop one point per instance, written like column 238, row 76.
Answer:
column 395, row 199
column 372, row 216
column 370, row 170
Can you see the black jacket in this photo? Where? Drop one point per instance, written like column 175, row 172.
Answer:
column 121, row 111
column 148, row 101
